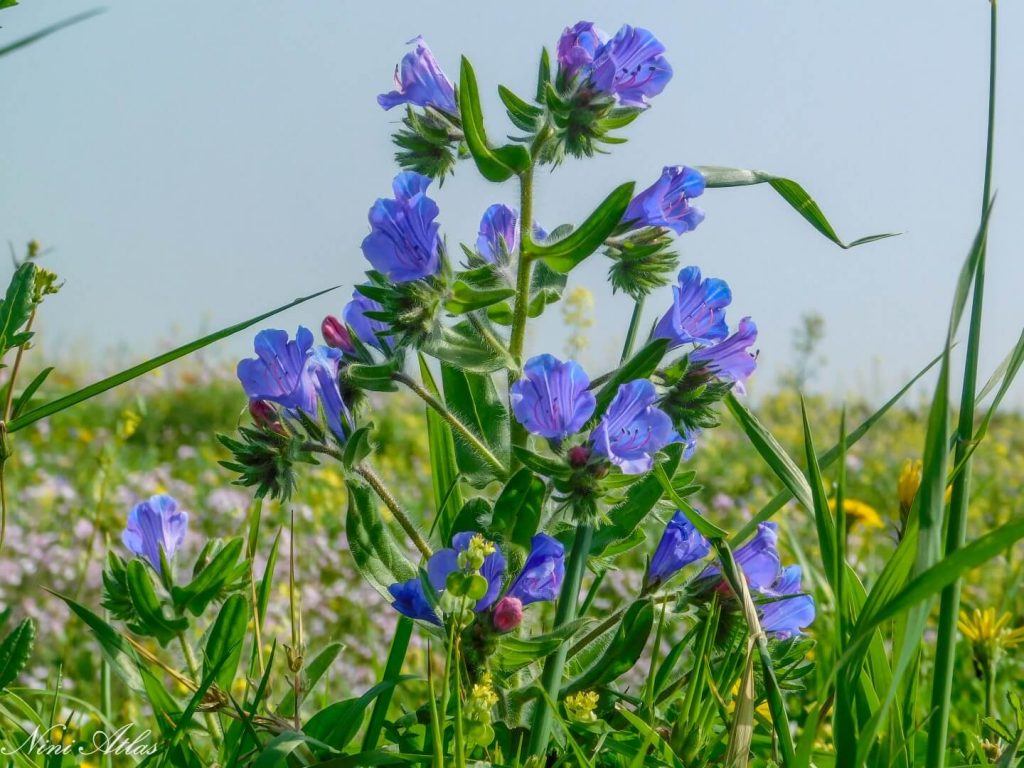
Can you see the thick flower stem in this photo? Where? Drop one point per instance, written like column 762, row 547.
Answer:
column 551, row 678
column 392, row 504
column 453, row 421
column 956, row 524
column 634, row 326
column 522, row 303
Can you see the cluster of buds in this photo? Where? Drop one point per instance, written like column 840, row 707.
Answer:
column 477, row 711
column 580, row 706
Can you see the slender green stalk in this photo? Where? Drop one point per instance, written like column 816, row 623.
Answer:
column 634, row 326
column 551, row 677
column 453, row 421
column 956, row 524
column 393, row 668
column 435, row 720
column 212, row 726
column 392, row 504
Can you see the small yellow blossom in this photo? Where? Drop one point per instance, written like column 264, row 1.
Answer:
column 580, row 706
column 857, row 512
column 987, row 633
column 128, row 424
column 908, row 483
column 483, row 692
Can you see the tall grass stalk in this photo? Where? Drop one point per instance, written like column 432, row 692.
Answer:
column 956, row 523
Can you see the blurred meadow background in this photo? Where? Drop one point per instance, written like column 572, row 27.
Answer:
column 187, row 165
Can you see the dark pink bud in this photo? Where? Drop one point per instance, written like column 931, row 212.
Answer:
column 508, row 613
column 264, row 415
column 336, row 334
column 579, row 455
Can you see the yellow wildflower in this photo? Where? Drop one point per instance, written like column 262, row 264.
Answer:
column 859, row 512
column 580, row 706
column 987, row 633
column 908, row 483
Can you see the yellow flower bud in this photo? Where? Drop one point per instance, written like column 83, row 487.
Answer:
column 909, row 482
column 580, row 706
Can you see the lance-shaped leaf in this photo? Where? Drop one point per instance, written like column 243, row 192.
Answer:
column 224, row 644
column 119, row 653
column 494, row 164
column 376, row 553
column 467, row 298
column 462, row 347
column 15, row 651
column 517, row 510
column 474, row 400
column 790, row 191
column 566, row 253
column 218, row 576
column 625, row 648
column 47, row 31
column 16, row 307
column 639, row 366
column 151, row 618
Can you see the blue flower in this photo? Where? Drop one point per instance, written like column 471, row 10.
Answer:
column 680, row 545
column 323, row 368
column 632, row 430
column 697, row 314
column 787, row 611
column 411, row 601
column 278, row 373
column 543, row 572
column 577, row 46
column 553, row 400
column 499, row 234
column 154, row 525
column 446, row 561
column 420, row 81
column 403, row 243
column 730, row 359
column 630, row 67
column 758, row 558
column 666, row 203
column 367, row 329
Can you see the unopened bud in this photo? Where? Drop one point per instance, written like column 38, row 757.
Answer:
column 336, row 334
column 579, row 455
column 264, row 415
column 508, row 614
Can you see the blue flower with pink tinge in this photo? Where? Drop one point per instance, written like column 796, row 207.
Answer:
column 499, row 234
column 553, row 400
column 697, row 314
column 420, row 81
column 681, row 544
column 403, row 243
column 666, row 203
column 785, row 610
column 154, row 525
column 577, row 47
column 731, row 359
column 758, row 559
column 369, row 330
column 630, row 67
column 633, row 429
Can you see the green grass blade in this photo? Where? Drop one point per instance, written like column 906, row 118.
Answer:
column 444, row 467
column 62, row 403
column 47, row 31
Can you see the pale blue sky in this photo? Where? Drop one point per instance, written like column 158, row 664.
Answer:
column 194, row 163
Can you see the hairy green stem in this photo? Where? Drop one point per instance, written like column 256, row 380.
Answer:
column 565, row 612
column 524, row 270
column 956, row 524
column 634, row 326
column 453, row 421
column 487, row 333
column 392, row 504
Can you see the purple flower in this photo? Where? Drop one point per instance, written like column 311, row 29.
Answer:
column 758, row 558
column 680, row 545
column 697, row 314
column 543, row 572
column 577, row 46
column 689, row 439
column 367, row 329
column 630, row 67
column 553, row 400
column 499, row 234
column 787, row 610
column 154, row 525
column 666, row 203
column 446, row 561
column 278, row 373
column 403, row 243
column 323, row 368
column 633, row 429
column 420, row 81
column 411, row 601
column 731, row 359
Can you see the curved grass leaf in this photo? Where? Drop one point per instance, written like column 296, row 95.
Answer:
column 47, row 31
column 566, row 253
column 224, row 644
column 624, row 650
column 444, row 468
column 15, row 651
column 63, row 403
column 790, row 191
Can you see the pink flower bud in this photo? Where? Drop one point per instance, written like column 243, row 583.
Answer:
column 579, row 455
column 336, row 334
column 264, row 415
column 508, row 613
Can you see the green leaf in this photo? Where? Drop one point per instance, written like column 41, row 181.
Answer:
column 546, row 288
column 16, row 307
column 494, row 164
column 221, row 573
column 515, row 653
column 26, row 396
column 474, row 400
column 376, row 378
column 312, row 674
column 151, row 618
column 639, row 366
column 47, row 31
column 464, row 298
column 358, row 446
column 517, row 511
column 444, row 468
column 789, row 190
column 110, row 382
column 15, row 651
column 119, row 653
column 338, row 723
column 462, row 347
column 392, row 673
column 224, row 644
column 568, row 252
column 376, row 553
column 542, row 465
column 523, row 114
column 624, row 650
